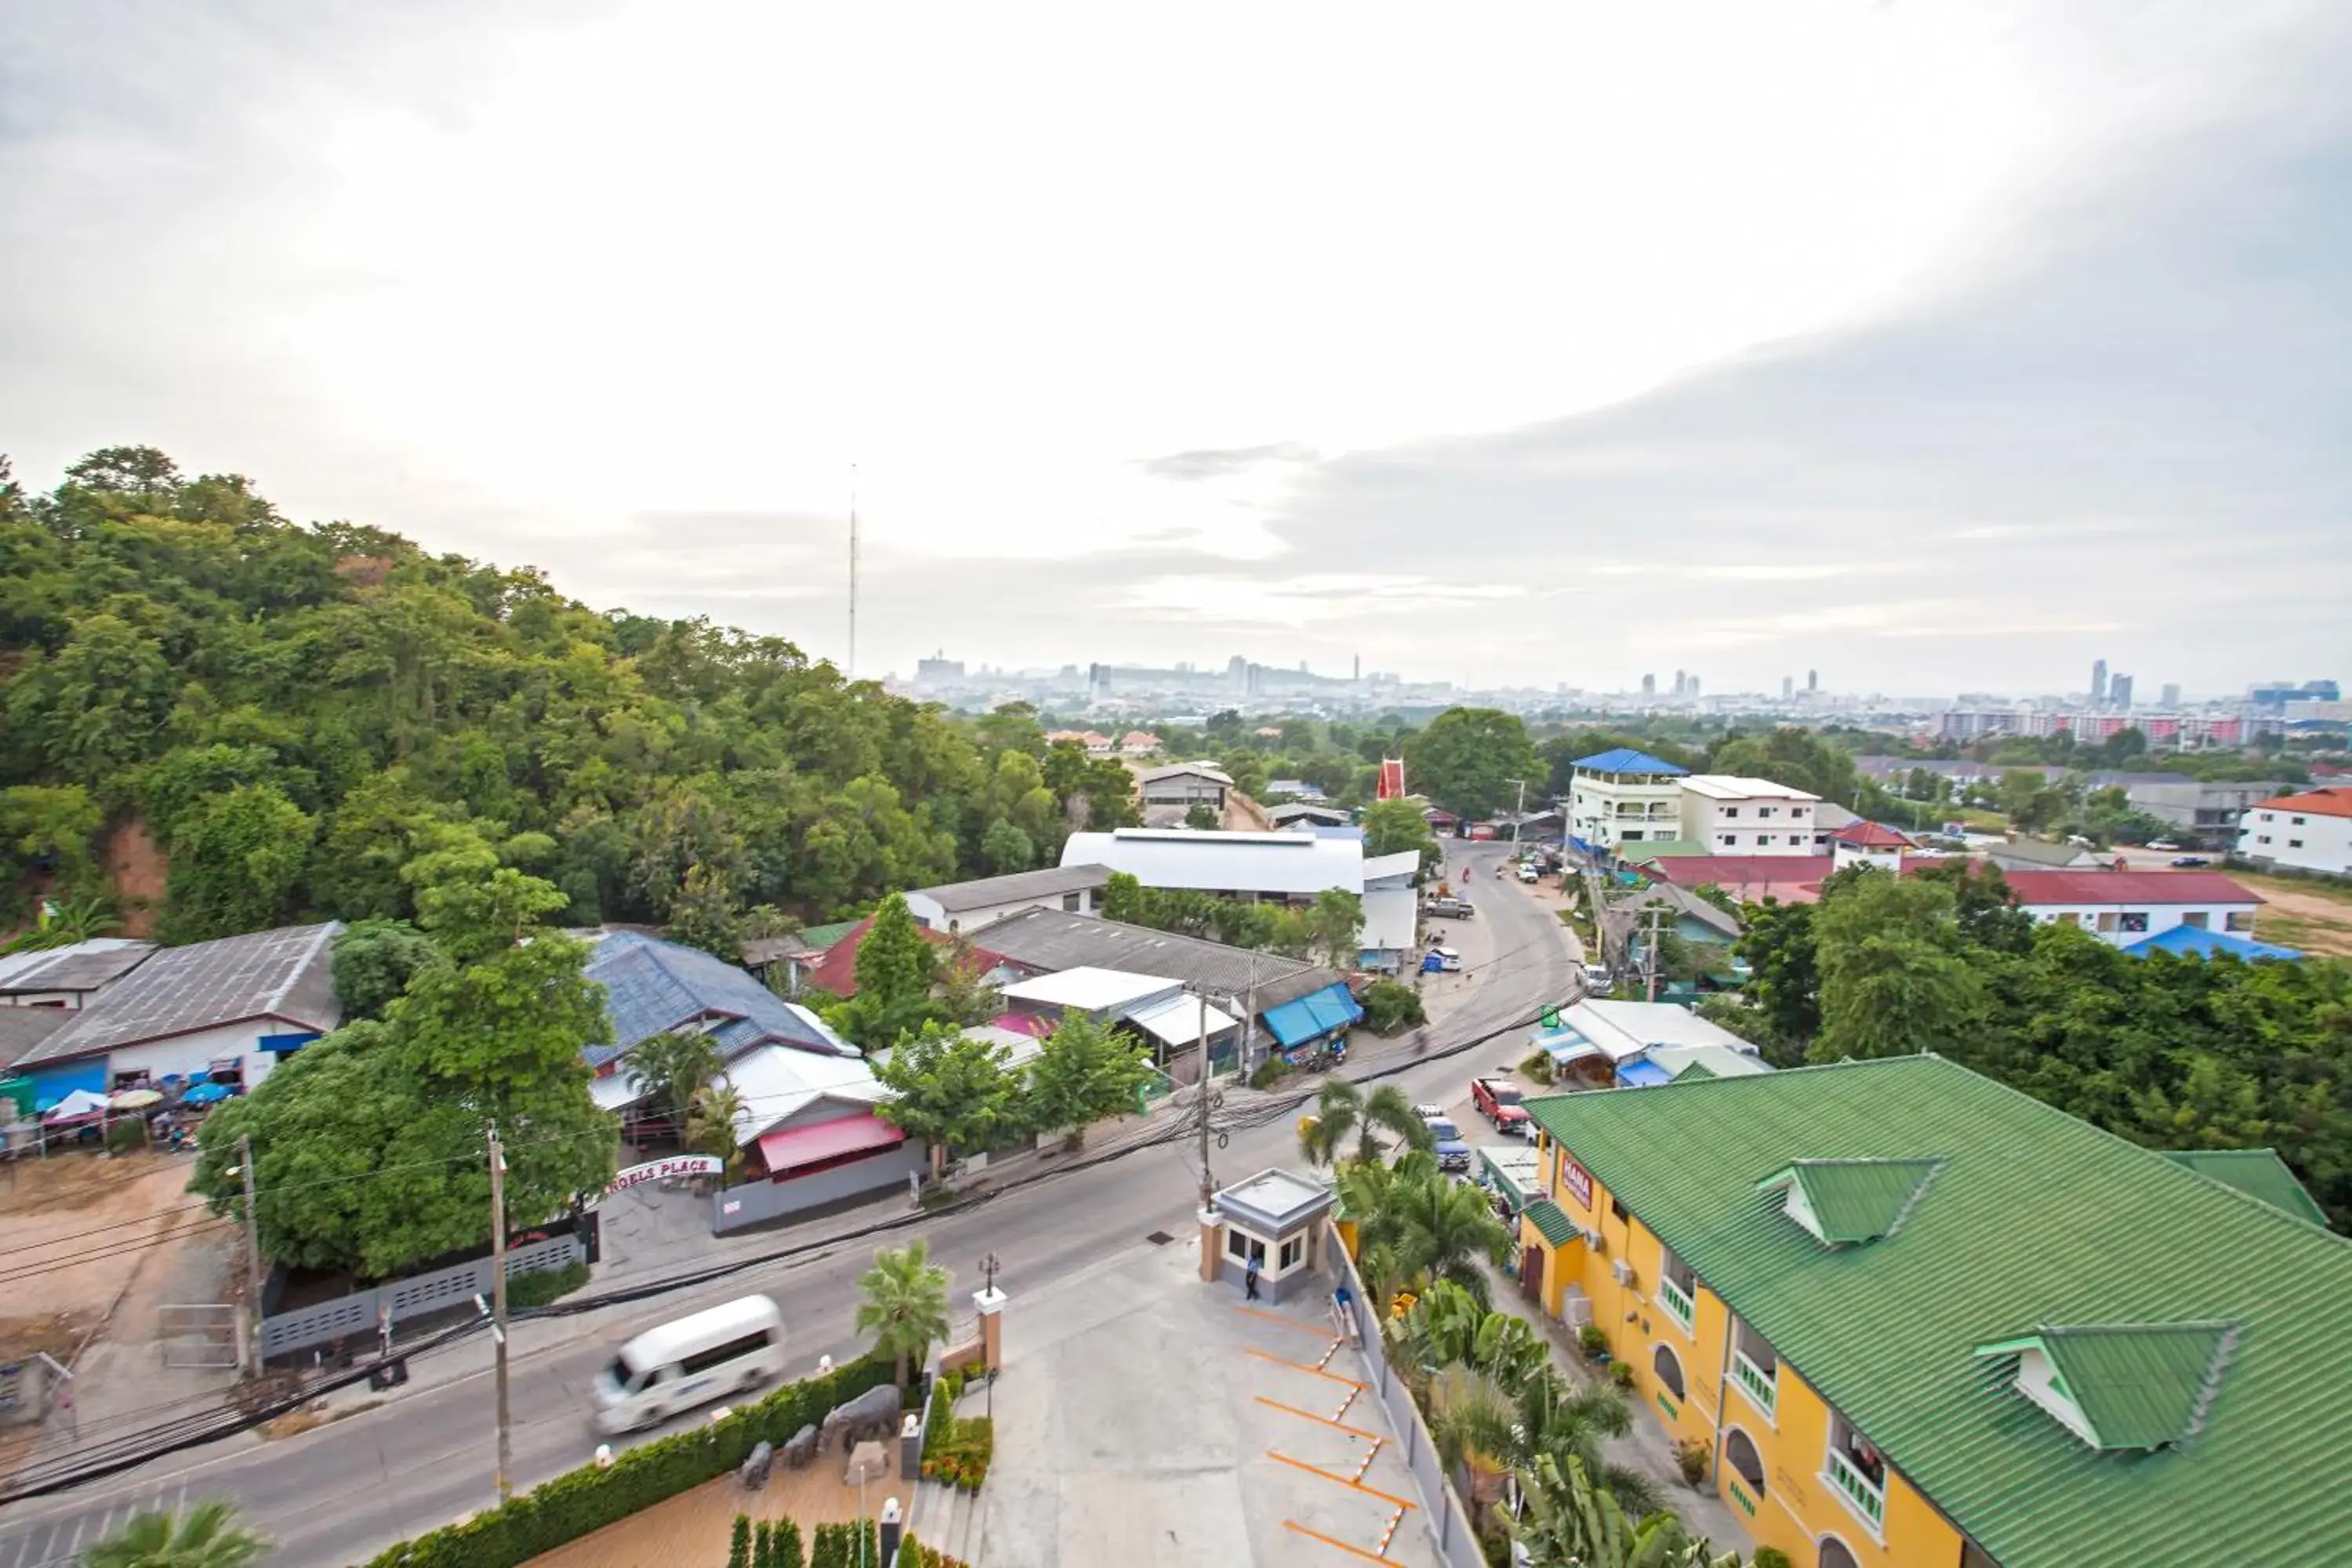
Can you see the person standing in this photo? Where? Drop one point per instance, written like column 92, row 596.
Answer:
column 1249, row 1278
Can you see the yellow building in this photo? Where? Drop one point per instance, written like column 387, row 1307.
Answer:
column 1915, row 1320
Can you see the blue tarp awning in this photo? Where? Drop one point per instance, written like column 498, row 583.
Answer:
column 2195, row 941
column 53, row 1083
column 1313, row 1015
column 1642, row 1073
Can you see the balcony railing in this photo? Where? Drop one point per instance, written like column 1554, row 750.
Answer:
column 1675, row 1300
column 1868, row 1499
column 1759, row 1385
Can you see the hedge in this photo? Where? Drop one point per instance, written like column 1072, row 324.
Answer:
column 580, row 1501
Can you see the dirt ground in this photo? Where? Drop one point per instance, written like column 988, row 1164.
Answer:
column 139, row 872
column 694, row 1527
column 2301, row 914
column 79, row 1228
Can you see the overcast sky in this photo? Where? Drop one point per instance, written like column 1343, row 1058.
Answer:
column 1935, row 347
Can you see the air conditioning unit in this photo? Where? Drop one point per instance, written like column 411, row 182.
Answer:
column 1576, row 1310
column 1621, row 1271
column 1593, row 1238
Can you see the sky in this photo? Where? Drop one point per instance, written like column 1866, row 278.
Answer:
column 1938, row 348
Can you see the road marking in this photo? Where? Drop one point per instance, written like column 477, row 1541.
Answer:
column 1323, row 1420
column 1333, row 1540
column 1339, row 1481
column 1318, row 1330
column 1302, row 1366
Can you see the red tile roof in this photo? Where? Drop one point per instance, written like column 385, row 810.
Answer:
column 1871, row 834
column 2046, row 888
column 1791, row 878
column 2333, row 801
column 834, row 971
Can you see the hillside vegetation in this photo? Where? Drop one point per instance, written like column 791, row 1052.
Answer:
column 293, row 712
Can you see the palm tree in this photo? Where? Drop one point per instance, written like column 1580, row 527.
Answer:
column 205, row 1536
column 905, row 1304
column 1568, row 1420
column 1443, row 1228
column 1471, row 1420
column 1344, row 1109
column 70, row 921
column 671, row 1068
column 710, row 1125
column 1571, row 1520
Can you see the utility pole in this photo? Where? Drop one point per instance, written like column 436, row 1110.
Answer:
column 498, row 1308
column 1521, row 812
column 1650, row 958
column 252, row 1248
column 1208, row 1185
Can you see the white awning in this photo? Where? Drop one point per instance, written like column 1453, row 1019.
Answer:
column 1177, row 1021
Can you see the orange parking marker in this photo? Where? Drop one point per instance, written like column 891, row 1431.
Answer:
column 1309, row 1371
column 1339, row 1479
column 1318, row 1330
column 1323, row 1420
column 1332, row 1540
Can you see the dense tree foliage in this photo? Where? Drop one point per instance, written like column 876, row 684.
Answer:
column 1327, row 930
column 291, row 709
column 1467, row 761
column 2175, row 1053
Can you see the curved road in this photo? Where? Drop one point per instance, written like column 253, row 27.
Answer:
column 343, row 1491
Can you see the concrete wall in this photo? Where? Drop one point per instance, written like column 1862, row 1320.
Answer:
column 2096, row 917
column 928, row 913
column 758, row 1203
column 195, row 1052
column 357, row 1317
column 2317, row 843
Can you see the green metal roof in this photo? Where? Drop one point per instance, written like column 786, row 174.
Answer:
column 1855, row 1200
column 2257, row 1173
column 1652, row 848
column 1552, row 1221
column 1696, row 1070
column 816, row 938
column 2034, row 1218
column 2138, row 1386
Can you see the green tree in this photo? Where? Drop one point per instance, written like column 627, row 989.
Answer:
column 669, row 1069
column 204, row 1535
column 714, row 1120
column 65, row 922
column 703, row 914
column 1200, row 818
column 1391, row 1006
column 1444, row 1230
column 1893, row 977
column 236, row 863
column 904, row 1305
column 1085, row 1072
column 1393, row 826
column 896, row 970
column 1333, row 927
column 372, row 963
column 738, row 1543
column 1343, row 1112
column 949, row 1089
column 51, row 828
column 1007, row 849
column 1465, row 757
column 1570, row 1519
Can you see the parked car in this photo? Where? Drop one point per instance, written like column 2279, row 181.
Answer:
column 1527, row 872
column 1597, row 977
column 1453, row 1153
column 1448, row 960
column 1430, row 1112
column 2186, row 862
column 1449, row 909
column 1498, row 1102
column 2162, row 844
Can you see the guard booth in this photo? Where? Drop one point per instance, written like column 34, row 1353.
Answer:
column 1275, row 1217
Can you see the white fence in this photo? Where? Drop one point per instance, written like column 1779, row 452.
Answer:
column 358, row 1316
column 755, row 1203
column 1449, row 1520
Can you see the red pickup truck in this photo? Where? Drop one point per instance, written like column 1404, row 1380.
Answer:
column 1498, row 1102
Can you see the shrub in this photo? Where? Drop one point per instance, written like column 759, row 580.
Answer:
column 1692, row 1456
column 1769, row 1557
column 738, row 1545
column 128, row 1134
column 1538, row 1067
column 537, row 1290
column 963, row 1455
column 1594, row 1343
column 1621, row 1373
column 784, row 1547
column 1391, row 1006
column 586, row 1500
column 1269, row 1073
column 763, row 1546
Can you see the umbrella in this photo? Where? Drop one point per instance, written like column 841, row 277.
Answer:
column 81, row 1102
column 134, row 1099
column 205, row 1094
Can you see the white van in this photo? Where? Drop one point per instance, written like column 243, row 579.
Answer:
column 690, row 1361
column 1447, row 959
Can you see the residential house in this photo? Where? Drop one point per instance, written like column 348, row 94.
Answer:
column 1625, row 796
column 226, row 1010
column 1095, row 741
column 806, row 1115
column 1139, row 743
column 1602, row 1042
column 965, row 905
column 2121, row 906
column 1181, row 786
column 1735, row 816
column 1861, row 843
column 2310, row 832
column 1297, row 789
column 1391, row 937
column 1298, row 816
column 69, row 977
column 787, row 960
column 1155, row 1008
column 1253, row 987
column 1916, row 1319
column 1680, row 911
column 2038, row 855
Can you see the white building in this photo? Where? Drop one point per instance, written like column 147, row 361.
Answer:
column 968, row 906
column 1183, row 785
column 1734, row 815
column 1391, row 911
column 1863, row 843
column 1625, row 796
column 2309, row 832
column 2121, row 907
column 69, row 977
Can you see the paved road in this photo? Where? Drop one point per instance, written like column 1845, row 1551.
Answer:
column 339, row 1493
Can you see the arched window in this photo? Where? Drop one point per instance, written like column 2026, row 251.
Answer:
column 1835, row 1555
column 1743, row 1458
column 1669, row 1370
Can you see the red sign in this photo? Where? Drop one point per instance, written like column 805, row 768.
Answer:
column 1576, row 1179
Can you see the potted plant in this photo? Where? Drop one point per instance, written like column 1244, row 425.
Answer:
column 1594, row 1343
column 1621, row 1373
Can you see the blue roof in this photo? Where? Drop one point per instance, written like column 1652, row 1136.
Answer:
column 1625, row 760
column 2192, row 942
column 651, row 986
column 1313, row 1015
column 1642, row 1073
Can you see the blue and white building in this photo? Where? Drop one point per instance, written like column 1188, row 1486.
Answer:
column 1625, row 796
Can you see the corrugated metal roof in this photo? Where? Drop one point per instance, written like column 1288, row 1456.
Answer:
column 2257, row 1172
column 2143, row 887
column 2138, row 1386
column 2035, row 1218
column 1855, row 1201
column 2200, row 942
column 84, row 966
column 1288, row 863
column 1552, row 1222
column 651, row 986
column 991, row 891
column 1050, row 940
column 1625, row 760
column 1735, row 786
column 280, row 974
column 23, row 1030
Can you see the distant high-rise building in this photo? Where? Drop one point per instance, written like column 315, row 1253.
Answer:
column 2099, row 680
column 2172, row 694
column 1680, row 678
column 1360, row 668
column 1649, row 686
column 1692, row 690
column 2119, row 693
column 1812, row 681
column 1788, row 687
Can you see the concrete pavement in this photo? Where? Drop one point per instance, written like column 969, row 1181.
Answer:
column 421, row 1456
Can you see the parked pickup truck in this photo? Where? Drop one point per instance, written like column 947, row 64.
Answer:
column 1498, row 1102
column 1450, row 909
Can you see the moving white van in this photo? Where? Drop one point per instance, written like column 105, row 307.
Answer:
column 690, row 1361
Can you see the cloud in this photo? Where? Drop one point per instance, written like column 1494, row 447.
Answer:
column 1212, row 465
